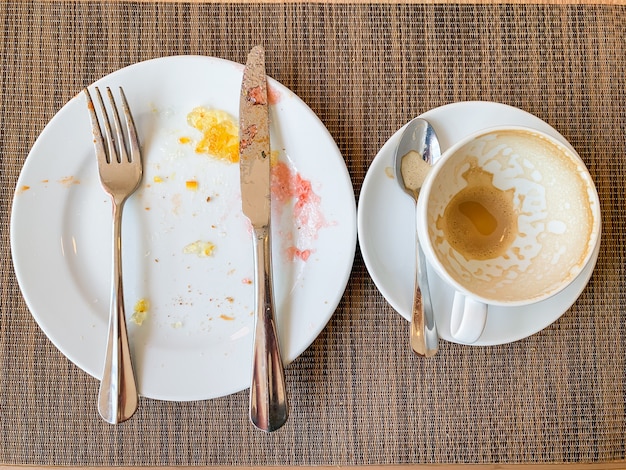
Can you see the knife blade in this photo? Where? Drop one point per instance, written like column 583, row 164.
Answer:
column 268, row 396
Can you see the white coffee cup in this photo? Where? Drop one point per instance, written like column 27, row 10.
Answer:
column 509, row 216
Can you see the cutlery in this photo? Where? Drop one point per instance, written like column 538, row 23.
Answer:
column 417, row 151
column 120, row 172
column 268, row 395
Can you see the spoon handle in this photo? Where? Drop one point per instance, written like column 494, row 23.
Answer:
column 424, row 337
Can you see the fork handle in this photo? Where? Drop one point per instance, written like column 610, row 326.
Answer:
column 118, row 399
column 268, row 395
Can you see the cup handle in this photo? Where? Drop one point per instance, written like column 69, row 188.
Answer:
column 468, row 318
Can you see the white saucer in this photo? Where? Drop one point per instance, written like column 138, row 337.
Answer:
column 386, row 230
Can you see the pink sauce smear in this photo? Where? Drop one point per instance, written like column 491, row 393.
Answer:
column 288, row 186
column 273, row 95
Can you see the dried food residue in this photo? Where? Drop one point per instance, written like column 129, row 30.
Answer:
column 69, row 181
column 273, row 95
column 289, row 186
column 202, row 249
column 140, row 312
column 220, row 133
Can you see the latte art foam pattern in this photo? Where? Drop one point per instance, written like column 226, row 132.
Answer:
column 556, row 215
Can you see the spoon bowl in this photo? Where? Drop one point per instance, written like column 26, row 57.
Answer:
column 420, row 137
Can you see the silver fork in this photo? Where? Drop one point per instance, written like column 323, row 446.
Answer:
column 120, row 171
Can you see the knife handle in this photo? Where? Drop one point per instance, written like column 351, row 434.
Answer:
column 268, row 394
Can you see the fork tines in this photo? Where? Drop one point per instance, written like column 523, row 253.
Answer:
column 115, row 150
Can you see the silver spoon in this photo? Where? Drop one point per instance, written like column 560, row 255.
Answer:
column 417, row 151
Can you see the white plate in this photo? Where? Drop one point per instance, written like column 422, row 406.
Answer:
column 386, row 227
column 61, row 241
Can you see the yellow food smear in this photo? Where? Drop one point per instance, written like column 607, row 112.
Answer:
column 191, row 185
column 226, row 317
column 274, row 157
column 184, row 140
column 200, row 248
column 157, row 179
column 140, row 311
column 220, row 134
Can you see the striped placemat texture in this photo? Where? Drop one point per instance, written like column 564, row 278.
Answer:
column 358, row 395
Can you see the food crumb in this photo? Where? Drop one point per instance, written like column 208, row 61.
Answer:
column 68, row 181
column 140, row 312
column 246, row 280
column 294, row 253
column 191, row 185
column 389, row 172
column 202, row 249
column 184, row 140
column 177, row 324
column 226, row 317
column 157, row 179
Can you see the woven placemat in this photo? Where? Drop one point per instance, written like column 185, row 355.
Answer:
column 358, row 395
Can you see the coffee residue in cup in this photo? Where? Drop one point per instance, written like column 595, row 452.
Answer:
column 480, row 222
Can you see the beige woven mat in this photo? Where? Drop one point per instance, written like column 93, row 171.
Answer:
column 358, row 395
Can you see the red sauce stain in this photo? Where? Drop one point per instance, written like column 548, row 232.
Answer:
column 293, row 253
column 288, row 186
column 255, row 95
column 273, row 95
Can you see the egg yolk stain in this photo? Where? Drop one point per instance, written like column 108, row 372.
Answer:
column 200, row 248
column 140, row 311
column 220, row 134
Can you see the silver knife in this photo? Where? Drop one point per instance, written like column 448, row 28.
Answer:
column 268, row 395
